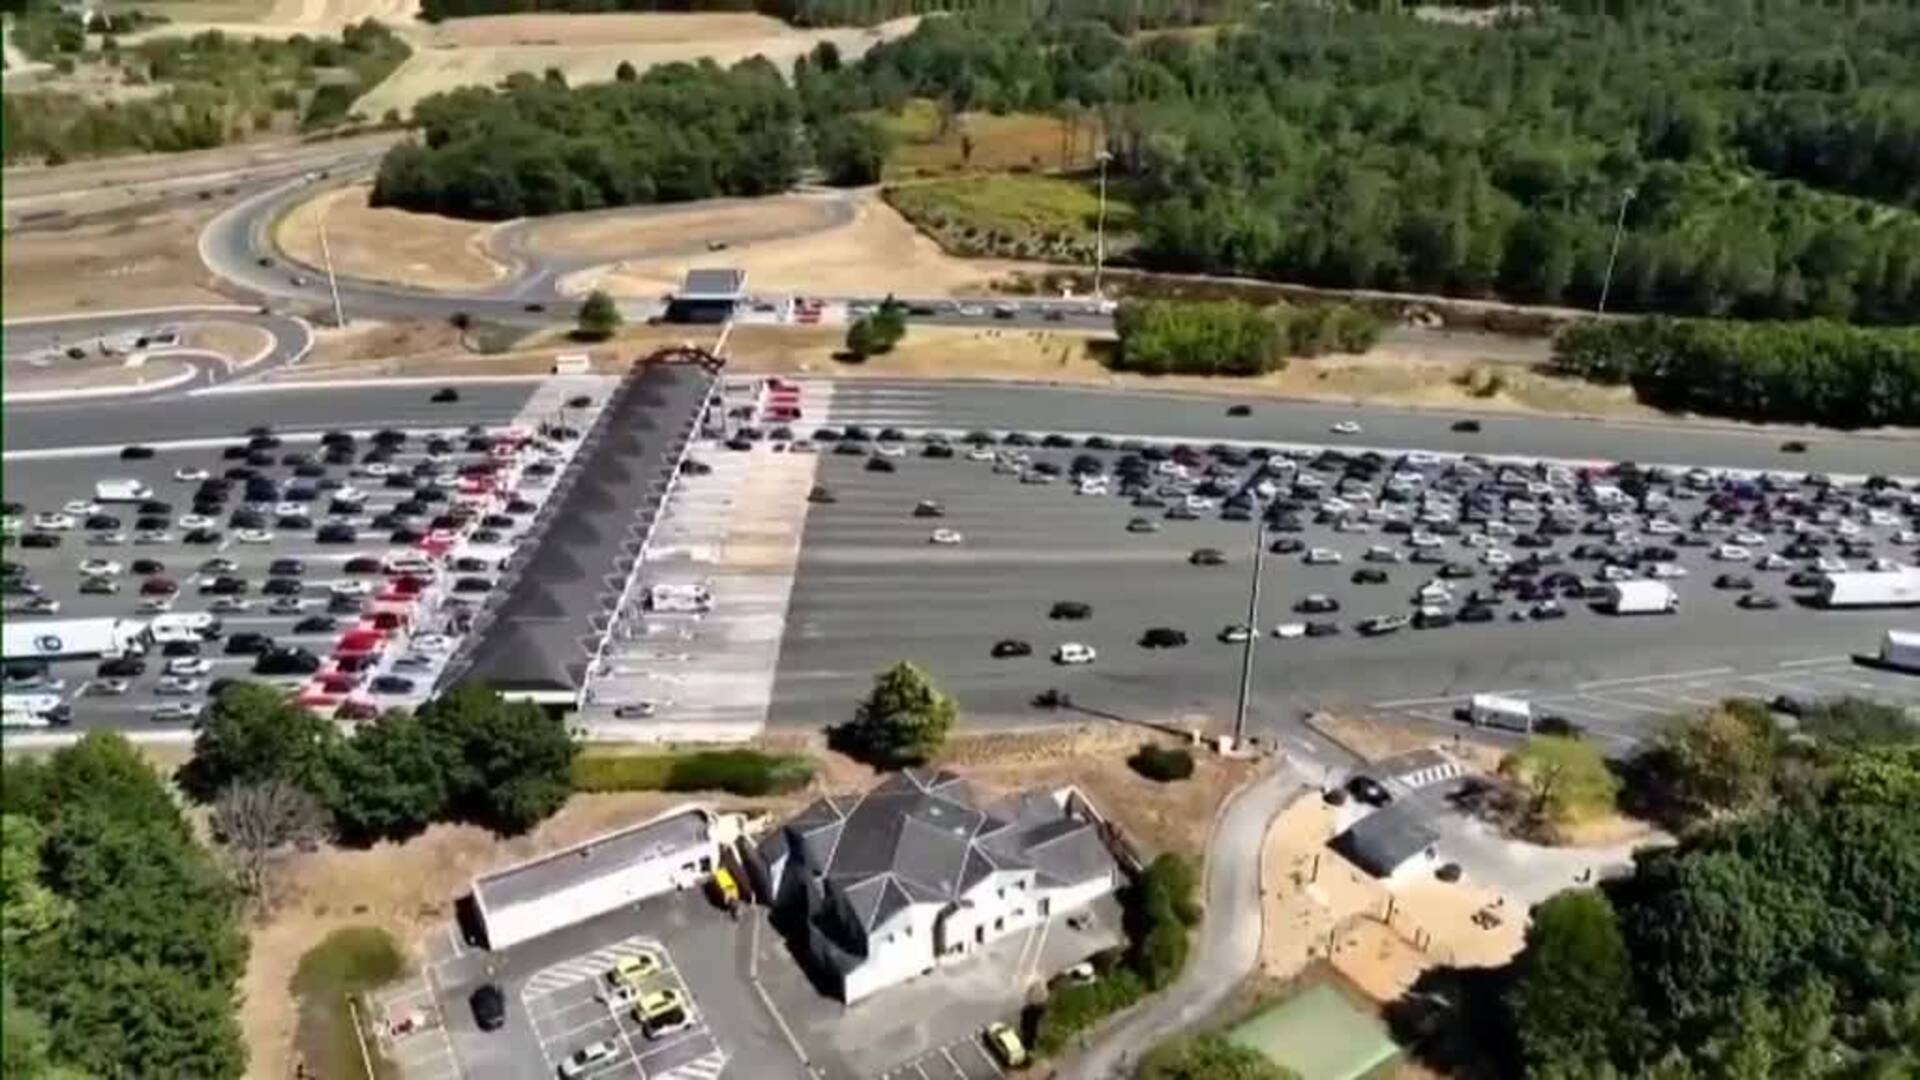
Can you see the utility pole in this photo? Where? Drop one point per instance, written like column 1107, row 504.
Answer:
column 333, row 283
column 1253, row 633
column 1613, row 253
column 1100, row 229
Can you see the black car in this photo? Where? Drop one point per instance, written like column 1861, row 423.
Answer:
column 122, row 667
column 1369, row 791
column 361, row 564
column 336, row 533
column 180, row 648
column 1163, row 637
column 277, row 661
column 1432, row 620
column 1475, row 613
column 391, row 684
column 401, row 535
column 879, row 464
column 283, row 586
column 489, row 1007
column 248, row 643
column 1369, row 575
column 1323, row 629
column 1287, row 545
column 225, row 585
column 1467, row 427
column 473, row 585
column 1239, row 410
column 1735, row 582
column 1317, row 604
column 444, row 395
column 1754, row 601
column 928, row 508
column 136, row 453
column 822, row 494
column 1207, row 557
column 40, row 540
column 101, row 521
column 1011, row 647
column 1072, row 610
column 204, row 536
column 148, row 566
column 317, row 624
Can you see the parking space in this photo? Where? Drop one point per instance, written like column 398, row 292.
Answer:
column 963, row 1059
column 344, row 566
column 1419, row 579
column 1622, row 711
column 577, row 1003
column 410, row 1031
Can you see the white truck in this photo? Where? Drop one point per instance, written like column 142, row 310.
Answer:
column 1500, row 711
column 188, row 626
column 1871, row 588
column 679, row 599
column 1900, row 650
column 1641, row 596
column 121, row 490
column 52, row 639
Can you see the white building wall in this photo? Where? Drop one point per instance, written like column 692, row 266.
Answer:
column 1074, row 897
column 684, row 868
column 897, row 950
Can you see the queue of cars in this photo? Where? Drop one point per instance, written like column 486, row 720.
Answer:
column 355, row 564
column 1466, row 540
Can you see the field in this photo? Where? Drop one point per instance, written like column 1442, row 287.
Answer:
column 148, row 260
column 1014, row 216
column 642, row 232
column 276, row 18
column 984, row 142
column 589, row 51
column 389, row 245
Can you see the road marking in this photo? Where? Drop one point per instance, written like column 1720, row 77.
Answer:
column 1816, row 660
column 1653, row 678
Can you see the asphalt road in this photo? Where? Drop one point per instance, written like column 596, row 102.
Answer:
column 292, row 338
column 871, row 589
column 1202, row 420
column 113, row 422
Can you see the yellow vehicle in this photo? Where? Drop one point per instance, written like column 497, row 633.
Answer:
column 662, row 1012
column 726, row 891
column 1006, row 1046
column 631, row 968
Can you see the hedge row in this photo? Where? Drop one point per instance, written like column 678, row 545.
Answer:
column 738, row 772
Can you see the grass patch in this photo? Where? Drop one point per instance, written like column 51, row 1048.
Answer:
column 350, row 962
column 1015, row 216
column 926, row 144
column 737, row 772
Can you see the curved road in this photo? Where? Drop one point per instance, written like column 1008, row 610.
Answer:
column 290, row 338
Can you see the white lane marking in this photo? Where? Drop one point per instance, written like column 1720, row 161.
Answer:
column 1653, row 678
column 1816, row 661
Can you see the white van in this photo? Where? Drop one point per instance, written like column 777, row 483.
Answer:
column 187, row 626
column 1073, row 652
column 1497, row 710
column 111, row 491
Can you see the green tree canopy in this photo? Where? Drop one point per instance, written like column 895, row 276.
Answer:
column 254, row 732
column 904, row 720
column 1573, row 997
column 1210, row 1057
column 510, row 763
column 599, row 317
column 1566, row 780
column 392, row 780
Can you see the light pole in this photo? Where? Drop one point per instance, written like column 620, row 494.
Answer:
column 1100, row 228
column 1253, row 633
column 326, row 256
column 1613, row 253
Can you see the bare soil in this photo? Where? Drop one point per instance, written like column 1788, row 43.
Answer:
column 417, row 349
column 876, row 253
column 238, row 342
column 87, row 375
column 150, row 260
column 493, row 31
column 1376, row 739
column 278, row 18
column 646, row 232
column 423, row 250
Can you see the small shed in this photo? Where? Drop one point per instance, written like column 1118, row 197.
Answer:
column 1383, row 841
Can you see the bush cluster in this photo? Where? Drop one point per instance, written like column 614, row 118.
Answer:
column 738, row 772
column 1163, row 763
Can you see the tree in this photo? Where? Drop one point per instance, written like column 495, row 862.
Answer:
column 509, row 763
column 626, row 72
column 258, row 821
column 871, row 335
column 28, row 908
column 903, row 721
column 1210, row 1057
column 1720, row 759
column 599, row 317
column 1566, row 780
column 392, row 781
column 1572, row 999
column 851, row 151
column 252, row 733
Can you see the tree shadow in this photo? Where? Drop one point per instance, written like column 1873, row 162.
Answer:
column 1455, row 1022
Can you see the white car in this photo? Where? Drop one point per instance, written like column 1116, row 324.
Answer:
column 229, row 605
column 176, row 711
column 47, row 519
column 584, row 1059
column 350, row 588
column 1494, row 556
column 1750, row 539
column 980, row 453
column 1322, row 556
column 374, row 468
column 1290, row 630
column 347, row 493
column 1827, row 564
column 178, row 685
column 1073, row 652
column 191, row 522
column 1616, row 572
column 109, row 687
column 1883, row 565
column 1666, row 571
column 189, row 665
column 1345, row 427
column 81, row 507
column 890, row 449
column 1425, row 540
column 254, row 536
column 98, row 567
column 1663, row 527
column 155, row 605
column 189, row 475
column 1732, row 553
column 945, row 536
column 1381, row 554
column 289, row 509
column 432, row 643
column 1775, row 561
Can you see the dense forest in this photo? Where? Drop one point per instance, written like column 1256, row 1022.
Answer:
column 122, row 947
column 190, row 93
column 1125, row 16
column 1764, row 159
column 537, row 146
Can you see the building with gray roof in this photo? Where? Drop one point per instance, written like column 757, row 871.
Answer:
column 917, row 872
column 1383, row 841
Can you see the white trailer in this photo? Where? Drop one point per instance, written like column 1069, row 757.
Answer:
column 1901, row 650
column 1641, row 596
column 1497, row 710
column 1871, row 588
column 53, row 639
column 682, row 599
column 122, row 490
column 188, row 626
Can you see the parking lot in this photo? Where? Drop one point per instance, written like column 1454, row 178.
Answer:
column 873, row 587
column 572, row 1005
column 345, row 565
column 964, row 1059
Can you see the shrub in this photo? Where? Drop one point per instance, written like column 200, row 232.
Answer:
column 1075, row 1008
column 739, row 772
column 1163, row 763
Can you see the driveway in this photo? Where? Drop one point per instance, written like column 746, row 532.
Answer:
column 1229, row 943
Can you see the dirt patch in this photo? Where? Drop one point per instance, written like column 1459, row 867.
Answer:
column 930, row 144
column 152, row 260
column 426, row 348
column 585, row 29
column 422, row 250
column 644, row 232
column 876, row 253
column 1374, row 739
column 1316, row 905
column 25, row 378
column 277, row 18
column 238, row 342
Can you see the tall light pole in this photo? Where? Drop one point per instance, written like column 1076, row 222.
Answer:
column 1253, row 632
column 1100, row 228
column 326, row 256
column 1613, row 253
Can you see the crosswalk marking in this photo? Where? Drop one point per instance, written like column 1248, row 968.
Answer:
column 708, row 1066
column 585, row 967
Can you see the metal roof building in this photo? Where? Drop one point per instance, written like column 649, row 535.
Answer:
column 1384, row 840
column 707, row 296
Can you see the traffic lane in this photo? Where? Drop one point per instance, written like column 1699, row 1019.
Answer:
column 1035, row 408
column 871, row 590
column 291, row 338
column 307, row 408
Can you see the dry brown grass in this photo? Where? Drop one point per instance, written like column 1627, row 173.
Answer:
column 148, row 261
column 876, row 253
column 984, row 142
column 493, row 31
column 238, row 342
column 1374, row 738
column 422, row 250
column 417, row 349
column 646, row 232
column 88, row 375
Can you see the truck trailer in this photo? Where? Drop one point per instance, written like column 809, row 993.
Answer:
column 52, row 639
column 112, row 491
column 1500, row 711
column 1871, row 588
column 1900, row 650
column 1641, row 596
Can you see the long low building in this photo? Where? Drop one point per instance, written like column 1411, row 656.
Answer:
column 677, row 850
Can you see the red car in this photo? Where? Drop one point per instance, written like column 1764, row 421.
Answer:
column 158, row 586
